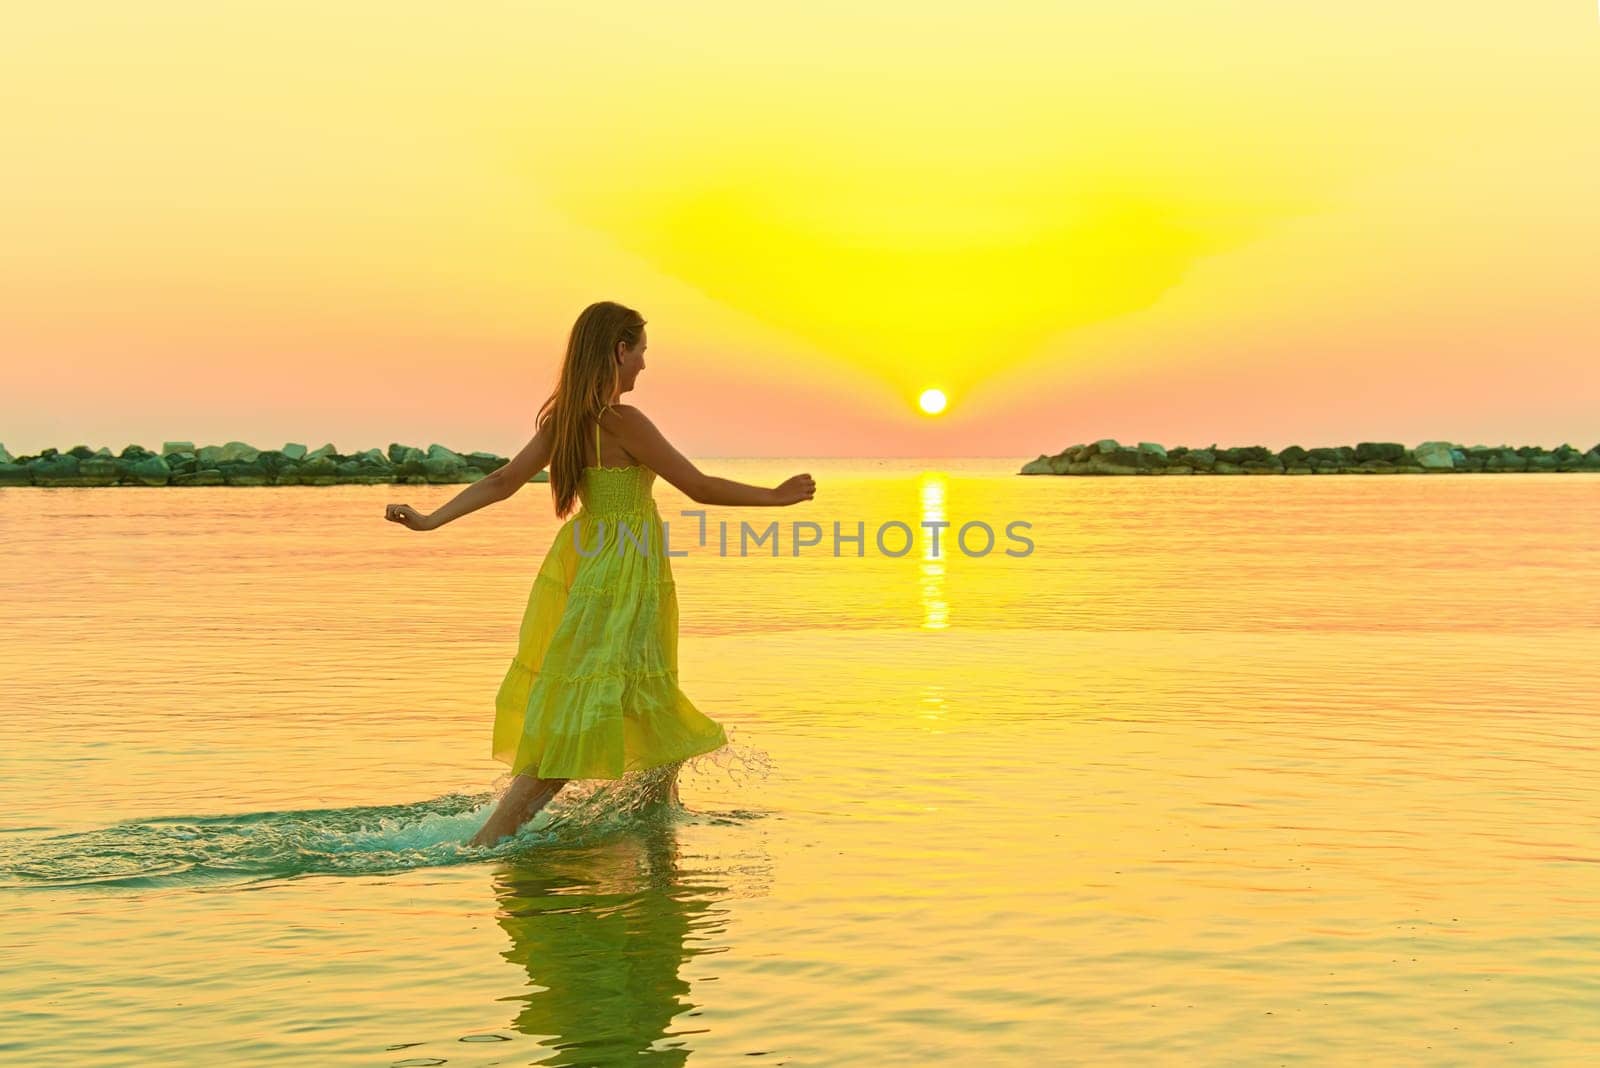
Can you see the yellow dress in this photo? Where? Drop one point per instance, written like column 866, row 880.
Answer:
column 592, row 692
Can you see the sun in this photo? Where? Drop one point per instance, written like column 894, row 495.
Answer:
column 932, row 401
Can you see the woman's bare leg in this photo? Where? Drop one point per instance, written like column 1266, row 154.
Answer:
column 526, row 795
column 665, row 788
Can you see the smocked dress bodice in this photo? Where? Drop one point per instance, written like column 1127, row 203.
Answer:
column 616, row 490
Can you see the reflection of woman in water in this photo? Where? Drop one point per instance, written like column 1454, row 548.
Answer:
column 592, row 692
column 602, row 930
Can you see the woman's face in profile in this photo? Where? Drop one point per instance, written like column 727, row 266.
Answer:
column 632, row 361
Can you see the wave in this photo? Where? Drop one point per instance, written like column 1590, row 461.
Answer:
column 364, row 840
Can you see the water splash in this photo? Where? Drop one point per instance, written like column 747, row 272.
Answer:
column 364, row 840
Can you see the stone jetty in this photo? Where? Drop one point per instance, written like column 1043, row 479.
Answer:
column 180, row 463
column 1107, row 457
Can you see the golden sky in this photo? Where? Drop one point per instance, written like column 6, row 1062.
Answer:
column 1243, row 223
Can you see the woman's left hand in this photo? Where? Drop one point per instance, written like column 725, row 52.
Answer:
column 407, row 515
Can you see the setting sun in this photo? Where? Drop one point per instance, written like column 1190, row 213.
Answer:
column 932, row 401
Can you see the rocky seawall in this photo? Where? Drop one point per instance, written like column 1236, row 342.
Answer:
column 179, row 463
column 1107, row 457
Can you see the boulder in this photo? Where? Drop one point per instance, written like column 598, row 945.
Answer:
column 488, row 462
column 319, row 469
column 1123, row 457
column 293, row 450
column 1040, row 466
column 359, row 470
column 1101, row 465
column 273, row 461
column 56, row 471
column 99, row 470
column 148, row 471
column 236, row 451
column 409, row 466
column 444, row 465
column 170, row 447
column 1435, row 456
column 1388, row 451
column 207, row 477
column 1504, row 459
column 12, row 474
column 244, row 473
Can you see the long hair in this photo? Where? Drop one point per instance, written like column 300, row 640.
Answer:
column 588, row 381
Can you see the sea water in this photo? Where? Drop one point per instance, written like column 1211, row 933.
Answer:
column 1222, row 769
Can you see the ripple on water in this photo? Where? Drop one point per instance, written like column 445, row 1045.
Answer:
column 361, row 840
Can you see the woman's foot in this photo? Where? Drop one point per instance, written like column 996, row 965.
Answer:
column 484, row 838
column 522, row 800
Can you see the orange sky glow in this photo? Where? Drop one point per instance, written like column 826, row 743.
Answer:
column 1241, row 223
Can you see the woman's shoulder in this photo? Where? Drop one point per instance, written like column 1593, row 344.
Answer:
column 625, row 415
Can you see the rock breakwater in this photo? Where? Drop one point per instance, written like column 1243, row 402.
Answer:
column 180, row 463
column 1107, row 457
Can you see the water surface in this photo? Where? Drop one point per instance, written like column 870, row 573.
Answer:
column 1226, row 770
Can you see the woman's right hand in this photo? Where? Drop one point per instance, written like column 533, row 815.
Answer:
column 794, row 490
column 407, row 516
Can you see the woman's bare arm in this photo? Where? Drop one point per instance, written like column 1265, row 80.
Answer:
column 534, row 457
column 496, row 486
column 646, row 444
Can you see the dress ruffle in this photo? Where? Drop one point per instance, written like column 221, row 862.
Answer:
column 592, row 692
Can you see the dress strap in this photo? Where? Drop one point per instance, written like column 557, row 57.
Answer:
column 597, row 437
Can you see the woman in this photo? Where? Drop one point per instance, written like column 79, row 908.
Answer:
column 592, row 692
